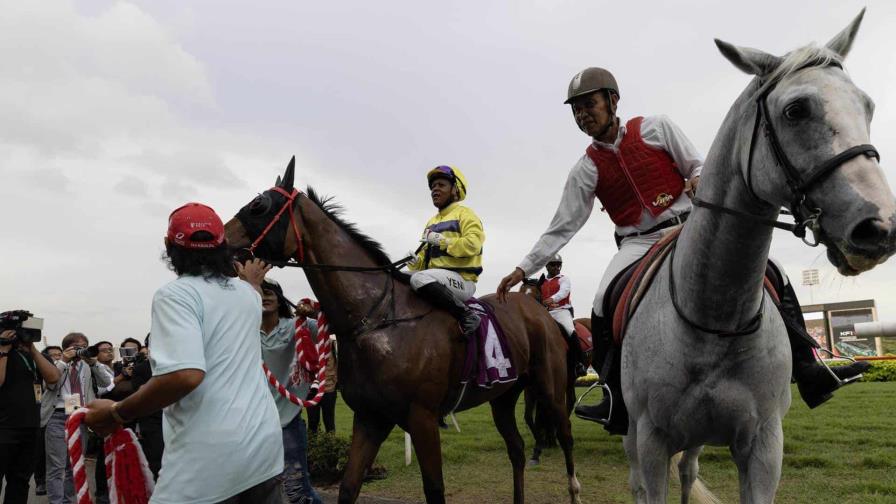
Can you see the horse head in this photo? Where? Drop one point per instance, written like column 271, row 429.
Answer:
column 814, row 155
column 262, row 226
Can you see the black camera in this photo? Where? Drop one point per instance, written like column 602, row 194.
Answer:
column 26, row 326
column 87, row 353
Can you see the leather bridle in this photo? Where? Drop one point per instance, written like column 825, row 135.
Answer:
column 805, row 213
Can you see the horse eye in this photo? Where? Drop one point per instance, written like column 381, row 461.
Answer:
column 260, row 205
column 796, row 111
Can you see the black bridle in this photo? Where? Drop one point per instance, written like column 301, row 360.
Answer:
column 805, row 213
column 366, row 323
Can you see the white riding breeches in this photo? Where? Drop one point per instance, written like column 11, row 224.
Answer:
column 564, row 318
column 462, row 289
column 630, row 250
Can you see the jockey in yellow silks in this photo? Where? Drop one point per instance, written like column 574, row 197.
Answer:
column 449, row 260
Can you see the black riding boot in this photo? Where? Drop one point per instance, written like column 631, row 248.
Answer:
column 442, row 297
column 816, row 381
column 611, row 412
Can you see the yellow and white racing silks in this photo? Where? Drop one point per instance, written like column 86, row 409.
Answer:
column 461, row 250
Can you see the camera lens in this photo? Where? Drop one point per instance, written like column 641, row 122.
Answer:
column 87, row 353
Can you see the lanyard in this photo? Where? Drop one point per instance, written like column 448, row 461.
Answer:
column 32, row 366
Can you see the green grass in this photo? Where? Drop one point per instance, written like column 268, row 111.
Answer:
column 843, row 452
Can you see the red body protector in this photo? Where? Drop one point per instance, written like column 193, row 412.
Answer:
column 550, row 287
column 637, row 177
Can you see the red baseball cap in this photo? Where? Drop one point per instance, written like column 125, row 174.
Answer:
column 193, row 217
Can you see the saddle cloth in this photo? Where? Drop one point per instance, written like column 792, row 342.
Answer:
column 488, row 357
column 628, row 288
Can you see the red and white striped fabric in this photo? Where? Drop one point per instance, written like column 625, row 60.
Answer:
column 127, row 472
column 310, row 364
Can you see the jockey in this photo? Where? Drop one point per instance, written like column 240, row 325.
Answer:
column 647, row 171
column 448, row 261
column 555, row 294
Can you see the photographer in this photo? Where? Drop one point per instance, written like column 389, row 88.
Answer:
column 22, row 368
column 131, row 373
column 75, row 389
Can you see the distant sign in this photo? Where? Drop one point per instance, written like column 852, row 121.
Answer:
column 810, row 277
column 844, row 339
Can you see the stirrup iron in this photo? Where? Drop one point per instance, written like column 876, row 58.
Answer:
column 840, row 382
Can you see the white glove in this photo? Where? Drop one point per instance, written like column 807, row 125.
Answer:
column 433, row 238
column 413, row 262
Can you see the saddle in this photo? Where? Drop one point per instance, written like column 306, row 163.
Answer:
column 584, row 335
column 626, row 290
column 488, row 360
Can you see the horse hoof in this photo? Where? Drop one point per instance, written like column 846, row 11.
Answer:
column 533, row 463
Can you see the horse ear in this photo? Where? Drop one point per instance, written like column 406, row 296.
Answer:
column 751, row 61
column 289, row 176
column 277, row 183
column 842, row 42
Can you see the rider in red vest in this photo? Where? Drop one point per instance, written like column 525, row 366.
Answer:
column 555, row 294
column 643, row 172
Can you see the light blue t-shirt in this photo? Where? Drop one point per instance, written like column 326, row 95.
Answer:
column 223, row 437
column 278, row 349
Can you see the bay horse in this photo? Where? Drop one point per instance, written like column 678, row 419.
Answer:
column 706, row 358
column 400, row 360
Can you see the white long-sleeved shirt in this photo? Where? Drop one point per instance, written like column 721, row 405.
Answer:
column 578, row 196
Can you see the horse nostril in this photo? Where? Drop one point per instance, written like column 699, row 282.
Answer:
column 870, row 233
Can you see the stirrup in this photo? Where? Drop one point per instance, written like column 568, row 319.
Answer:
column 840, row 382
column 606, row 389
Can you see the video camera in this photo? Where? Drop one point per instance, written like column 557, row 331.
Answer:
column 26, row 326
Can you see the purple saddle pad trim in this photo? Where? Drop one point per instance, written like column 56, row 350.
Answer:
column 488, row 360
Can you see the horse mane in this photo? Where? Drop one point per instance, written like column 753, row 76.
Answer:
column 808, row 56
column 334, row 211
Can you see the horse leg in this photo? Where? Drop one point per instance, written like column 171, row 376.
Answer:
column 423, row 426
column 630, row 444
column 559, row 415
column 504, row 414
column 758, row 462
column 534, row 428
column 653, row 459
column 367, row 436
column 688, row 467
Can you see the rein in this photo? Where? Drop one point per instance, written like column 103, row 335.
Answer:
column 805, row 213
column 365, row 324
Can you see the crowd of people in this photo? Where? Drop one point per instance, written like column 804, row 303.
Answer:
column 216, row 394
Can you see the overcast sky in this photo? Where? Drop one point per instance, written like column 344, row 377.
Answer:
column 114, row 113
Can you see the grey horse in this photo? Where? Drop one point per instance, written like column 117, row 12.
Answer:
column 687, row 381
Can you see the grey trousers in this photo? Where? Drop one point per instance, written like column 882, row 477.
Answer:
column 60, row 486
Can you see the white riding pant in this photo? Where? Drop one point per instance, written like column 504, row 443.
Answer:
column 564, row 318
column 462, row 289
column 630, row 250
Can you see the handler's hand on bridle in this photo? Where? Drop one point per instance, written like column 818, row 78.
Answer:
column 508, row 282
column 253, row 271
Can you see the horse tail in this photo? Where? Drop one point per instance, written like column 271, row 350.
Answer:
column 699, row 492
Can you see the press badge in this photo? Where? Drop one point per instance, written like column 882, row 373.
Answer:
column 38, row 392
column 72, row 402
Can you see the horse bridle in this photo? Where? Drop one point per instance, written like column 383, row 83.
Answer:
column 805, row 213
column 297, row 261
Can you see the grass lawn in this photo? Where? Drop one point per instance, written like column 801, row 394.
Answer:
column 843, row 452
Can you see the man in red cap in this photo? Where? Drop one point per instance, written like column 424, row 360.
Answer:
column 222, row 434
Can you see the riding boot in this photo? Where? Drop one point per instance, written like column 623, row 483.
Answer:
column 611, row 412
column 816, row 381
column 443, row 298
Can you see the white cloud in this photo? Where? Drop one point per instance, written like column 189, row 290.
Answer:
column 113, row 117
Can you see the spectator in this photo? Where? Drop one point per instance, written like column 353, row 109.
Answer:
column 222, row 436
column 132, row 372
column 52, row 352
column 310, row 309
column 278, row 352
column 21, row 366
column 73, row 390
column 105, row 356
